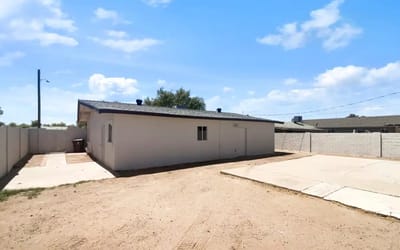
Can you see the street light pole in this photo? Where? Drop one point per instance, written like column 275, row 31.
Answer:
column 38, row 87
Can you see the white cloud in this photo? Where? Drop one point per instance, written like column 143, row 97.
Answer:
column 388, row 73
column 104, row 14
column 340, row 36
column 10, row 7
column 324, row 17
column 289, row 37
column 8, row 58
column 98, row 83
column 251, row 92
column 334, row 87
column 128, row 45
column 117, row 33
column 59, row 104
column 340, row 76
column 161, row 83
column 227, row 89
column 157, row 3
column 62, row 24
column 295, row 95
column 20, row 23
column 356, row 75
column 290, row 81
column 325, row 23
column 35, row 31
column 101, row 13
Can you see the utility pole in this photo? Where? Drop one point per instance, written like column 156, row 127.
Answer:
column 38, row 88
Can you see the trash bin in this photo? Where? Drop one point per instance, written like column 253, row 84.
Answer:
column 79, row 145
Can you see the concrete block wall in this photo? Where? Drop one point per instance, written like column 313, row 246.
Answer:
column 13, row 147
column 386, row 145
column 391, row 145
column 3, row 151
column 357, row 144
column 293, row 141
column 50, row 140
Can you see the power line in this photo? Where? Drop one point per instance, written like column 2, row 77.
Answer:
column 333, row 107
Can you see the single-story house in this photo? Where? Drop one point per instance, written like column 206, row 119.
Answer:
column 126, row 136
column 296, row 127
column 361, row 124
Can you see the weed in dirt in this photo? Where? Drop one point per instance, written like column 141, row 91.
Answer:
column 29, row 193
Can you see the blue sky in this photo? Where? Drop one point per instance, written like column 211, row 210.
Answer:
column 252, row 57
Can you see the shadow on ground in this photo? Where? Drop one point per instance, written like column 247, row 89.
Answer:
column 129, row 173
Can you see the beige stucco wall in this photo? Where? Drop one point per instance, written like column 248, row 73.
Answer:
column 150, row 141
column 97, row 138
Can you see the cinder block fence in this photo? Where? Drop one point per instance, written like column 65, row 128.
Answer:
column 13, row 147
column 16, row 143
column 385, row 145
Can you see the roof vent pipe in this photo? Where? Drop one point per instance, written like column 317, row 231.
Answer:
column 219, row 110
column 139, row 102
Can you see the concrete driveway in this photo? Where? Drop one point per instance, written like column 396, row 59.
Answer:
column 369, row 184
column 49, row 170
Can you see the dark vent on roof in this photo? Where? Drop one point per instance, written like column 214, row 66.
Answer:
column 139, row 101
column 297, row 118
column 219, row 110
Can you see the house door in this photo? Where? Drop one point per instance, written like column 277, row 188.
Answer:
column 102, row 142
column 108, row 143
column 240, row 144
column 245, row 141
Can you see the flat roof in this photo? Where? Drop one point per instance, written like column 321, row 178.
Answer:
column 130, row 108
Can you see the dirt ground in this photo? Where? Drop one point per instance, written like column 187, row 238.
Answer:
column 72, row 158
column 33, row 161
column 193, row 208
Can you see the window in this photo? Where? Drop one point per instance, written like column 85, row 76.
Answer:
column 202, row 133
column 109, row 133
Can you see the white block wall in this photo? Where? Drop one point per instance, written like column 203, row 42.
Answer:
column 13, row 147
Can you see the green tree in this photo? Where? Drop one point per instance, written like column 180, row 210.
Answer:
column 24, row 125
column 181, row 98
column 34, row 123
column 2, row 124
column 12, row 124
column 58, row 124
column 352, row 116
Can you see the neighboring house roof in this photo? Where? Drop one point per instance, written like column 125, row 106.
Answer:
column 296, row 126
column 128, row 108
column 55, row 127
column 356, row 122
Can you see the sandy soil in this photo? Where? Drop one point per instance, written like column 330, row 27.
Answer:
column 33, row 161
column 194, row 208
column 72, row 158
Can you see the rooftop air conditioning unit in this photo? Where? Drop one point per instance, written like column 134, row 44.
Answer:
column 297, row 118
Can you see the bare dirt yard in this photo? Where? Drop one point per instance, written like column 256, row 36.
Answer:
column 192, row 208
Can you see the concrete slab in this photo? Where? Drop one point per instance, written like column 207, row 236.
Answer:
column 55, row 159
column 57, row 174
column 324, row 176
column 322, row 189
column 374, row 202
